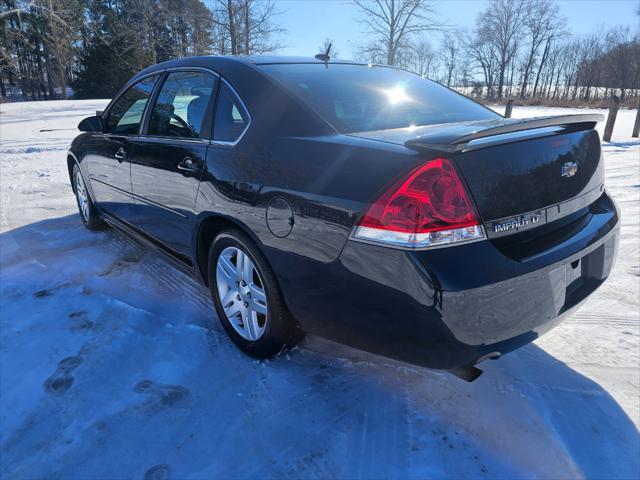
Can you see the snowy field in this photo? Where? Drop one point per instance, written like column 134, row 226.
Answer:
column 113, row 364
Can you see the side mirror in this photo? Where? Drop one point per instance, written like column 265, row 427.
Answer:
column 91, row 124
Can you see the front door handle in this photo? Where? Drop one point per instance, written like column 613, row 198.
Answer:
column 188, row 166
column 120, row 154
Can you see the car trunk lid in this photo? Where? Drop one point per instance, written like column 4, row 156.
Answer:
column 523, row 185
column 522, row 173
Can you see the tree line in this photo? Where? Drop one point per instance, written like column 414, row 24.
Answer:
column 95, row 46
column 517, row 48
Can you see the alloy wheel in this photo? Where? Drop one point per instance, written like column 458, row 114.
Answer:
column 83, row 196
column 241, row 293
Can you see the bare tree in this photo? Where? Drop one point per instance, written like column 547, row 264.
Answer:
column 248, row 25
column 60, row 38
column 420, row 58
column 450, row 52
column 484, row 54
column 393, row 23
column 592, row 47
column 501, row 24
column 542, row 20
column 570, row 53
column 620, row 60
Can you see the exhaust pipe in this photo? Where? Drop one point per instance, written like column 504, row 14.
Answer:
column 470, row 373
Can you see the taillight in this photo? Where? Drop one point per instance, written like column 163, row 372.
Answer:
column 429, row 207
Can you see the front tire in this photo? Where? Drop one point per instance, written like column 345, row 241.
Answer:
column 88, row 212
column 247, row 297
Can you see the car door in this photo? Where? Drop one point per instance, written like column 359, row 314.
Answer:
column 109, row 152
column 229, row 173
column 169, row 157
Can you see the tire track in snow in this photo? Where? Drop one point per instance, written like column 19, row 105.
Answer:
column 603, row 319
column 172, row 281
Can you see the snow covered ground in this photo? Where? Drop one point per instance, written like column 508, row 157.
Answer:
column 113, row 364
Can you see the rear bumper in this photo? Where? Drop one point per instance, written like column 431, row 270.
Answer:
column 449, row 307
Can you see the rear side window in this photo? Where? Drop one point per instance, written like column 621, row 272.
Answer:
column 182, row 104
column 232, row 119
column 357, row 98
column 125, row 114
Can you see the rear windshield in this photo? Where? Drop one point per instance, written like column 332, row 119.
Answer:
column 359, row 98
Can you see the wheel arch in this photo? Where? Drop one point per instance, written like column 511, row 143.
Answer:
column 207, row 228
column 71, row 161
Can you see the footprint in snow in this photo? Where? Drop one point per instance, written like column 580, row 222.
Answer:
column 161, row 395
column 80, row 321
column 43, row 293
column 62, row 380
column 47, row 292
column 158, row 472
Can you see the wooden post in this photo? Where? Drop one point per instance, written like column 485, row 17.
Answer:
column 508, row 109
column 636, row 126
column 611, row 118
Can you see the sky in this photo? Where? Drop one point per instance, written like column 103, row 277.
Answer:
column 309, row 22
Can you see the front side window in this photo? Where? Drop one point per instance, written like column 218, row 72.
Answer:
column 231, row 117
column 125, row 115
column 359, row 98
column 182, row 104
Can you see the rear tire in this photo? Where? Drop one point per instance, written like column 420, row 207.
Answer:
column 247, row 297
column 88, row 213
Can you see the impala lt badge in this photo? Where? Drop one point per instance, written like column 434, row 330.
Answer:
column 569, row 169
column 517, row 222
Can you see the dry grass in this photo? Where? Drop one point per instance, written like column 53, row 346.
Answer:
column 560, row 103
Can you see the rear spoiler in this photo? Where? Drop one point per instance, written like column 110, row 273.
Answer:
column 503, row 131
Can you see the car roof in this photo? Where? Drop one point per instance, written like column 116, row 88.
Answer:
column 246, row 60
column 281, row 59
column 251, row 61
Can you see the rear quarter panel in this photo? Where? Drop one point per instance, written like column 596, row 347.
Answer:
column 327, row 180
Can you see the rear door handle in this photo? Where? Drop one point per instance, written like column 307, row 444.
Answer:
column 188, row 166
column 120, row 154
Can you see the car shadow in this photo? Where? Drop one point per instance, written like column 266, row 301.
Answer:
column 627, row 144
column 112, row 365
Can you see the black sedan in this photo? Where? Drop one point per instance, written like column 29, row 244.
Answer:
column 358, row 202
